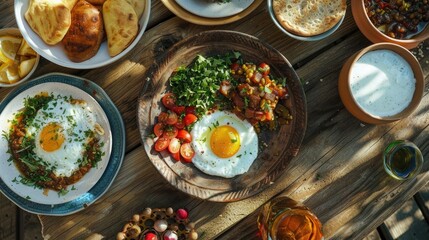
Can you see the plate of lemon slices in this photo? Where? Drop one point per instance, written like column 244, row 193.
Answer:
column 18, row 60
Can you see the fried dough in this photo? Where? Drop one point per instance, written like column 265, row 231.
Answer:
column 96, row 2
column 138, row 6
column 309, row 17
column 50, row 19
column 121, row 25
column 85, row 34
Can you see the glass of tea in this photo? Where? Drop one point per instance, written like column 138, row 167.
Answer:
column 402, row 159
column 286, row 219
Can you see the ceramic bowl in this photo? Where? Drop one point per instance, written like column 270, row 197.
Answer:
column 374, row 35
column 349, row 99
column 17, row 33
column 298, row 37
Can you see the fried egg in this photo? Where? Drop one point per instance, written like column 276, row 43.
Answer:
column 224, row 145
column 61, row 131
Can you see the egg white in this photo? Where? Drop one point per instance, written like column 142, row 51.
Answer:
column 207, row 161
column 76, row 120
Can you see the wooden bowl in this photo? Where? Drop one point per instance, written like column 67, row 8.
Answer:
column 374, row 35
column 282, row 144
column 350, row 101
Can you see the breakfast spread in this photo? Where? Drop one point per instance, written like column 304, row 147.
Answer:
column 17, row 59
column 54, row 141
column 80, row 25
column 398, row 19
column 309, row 18
column 382, row 83
column 215, row 125
column 159, row 223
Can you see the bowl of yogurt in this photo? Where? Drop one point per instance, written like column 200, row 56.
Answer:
column 381, row 83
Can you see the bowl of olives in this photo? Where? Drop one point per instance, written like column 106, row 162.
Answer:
column 405, row 23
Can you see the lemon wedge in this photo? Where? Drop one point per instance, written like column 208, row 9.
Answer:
column 9, row 46
column 25, row 49
column 25, row 67
column 3, row 77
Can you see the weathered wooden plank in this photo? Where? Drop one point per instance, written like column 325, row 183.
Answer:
column 29, row 226
column 8, row 219
column 373, row 236
column 408, row 222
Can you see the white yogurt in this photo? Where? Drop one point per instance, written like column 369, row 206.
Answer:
column 382, row 83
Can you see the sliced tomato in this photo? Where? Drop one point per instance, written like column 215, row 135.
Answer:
column 184, row 136
column 172, row 118
column 169, row 100
column 162, row 117
column 158, row 129
column 190, row 109
column 176, row 156
column 170, row 132
column 180, row 124
column 178, row 109
column 161, row 144
column 187, row 152
column 174, row 146
column 189, row 119
column 264, row 69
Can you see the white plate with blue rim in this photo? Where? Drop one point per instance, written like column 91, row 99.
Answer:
column 215, row 8
column 55, row 53
column 93, row 184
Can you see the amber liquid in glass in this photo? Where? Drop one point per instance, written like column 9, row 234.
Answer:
column 286, row 219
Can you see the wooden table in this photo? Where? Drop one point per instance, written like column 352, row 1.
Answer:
column 338, row 172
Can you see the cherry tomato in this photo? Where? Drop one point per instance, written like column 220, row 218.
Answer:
column 170, row 132
column 184, row 136
column 187, row 152
column 162, row 117
column 190, row 110
column 161, row 144
column 174, row 145
column 176, row 156
column 172, row 118
column 169, row 100
column 264, row 69
column 189, row 119
column 178, row 109
column 180, row 124
column 158, row 129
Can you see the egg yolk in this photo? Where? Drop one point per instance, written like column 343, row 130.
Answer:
column 51, row 137
column 225, row 141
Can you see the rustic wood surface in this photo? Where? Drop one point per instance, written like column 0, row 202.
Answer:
column 338, row 172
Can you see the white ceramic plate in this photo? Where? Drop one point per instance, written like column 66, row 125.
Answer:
column 9, row 172
column 214, row 9
column 97, row 181
column 56, row 53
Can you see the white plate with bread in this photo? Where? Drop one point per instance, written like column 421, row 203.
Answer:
column 89, row 34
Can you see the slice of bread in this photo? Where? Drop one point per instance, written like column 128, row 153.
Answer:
column 309, row 17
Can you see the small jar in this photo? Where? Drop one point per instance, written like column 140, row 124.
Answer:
column 284, row 218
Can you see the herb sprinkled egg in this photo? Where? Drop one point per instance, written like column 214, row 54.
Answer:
column 224, row 145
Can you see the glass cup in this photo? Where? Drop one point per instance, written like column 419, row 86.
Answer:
column 402, row 159
column 284, row 219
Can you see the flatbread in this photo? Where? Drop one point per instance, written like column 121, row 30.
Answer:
column 309, row 17
column 138, row 6
column 50, row 19
column 120, row 24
